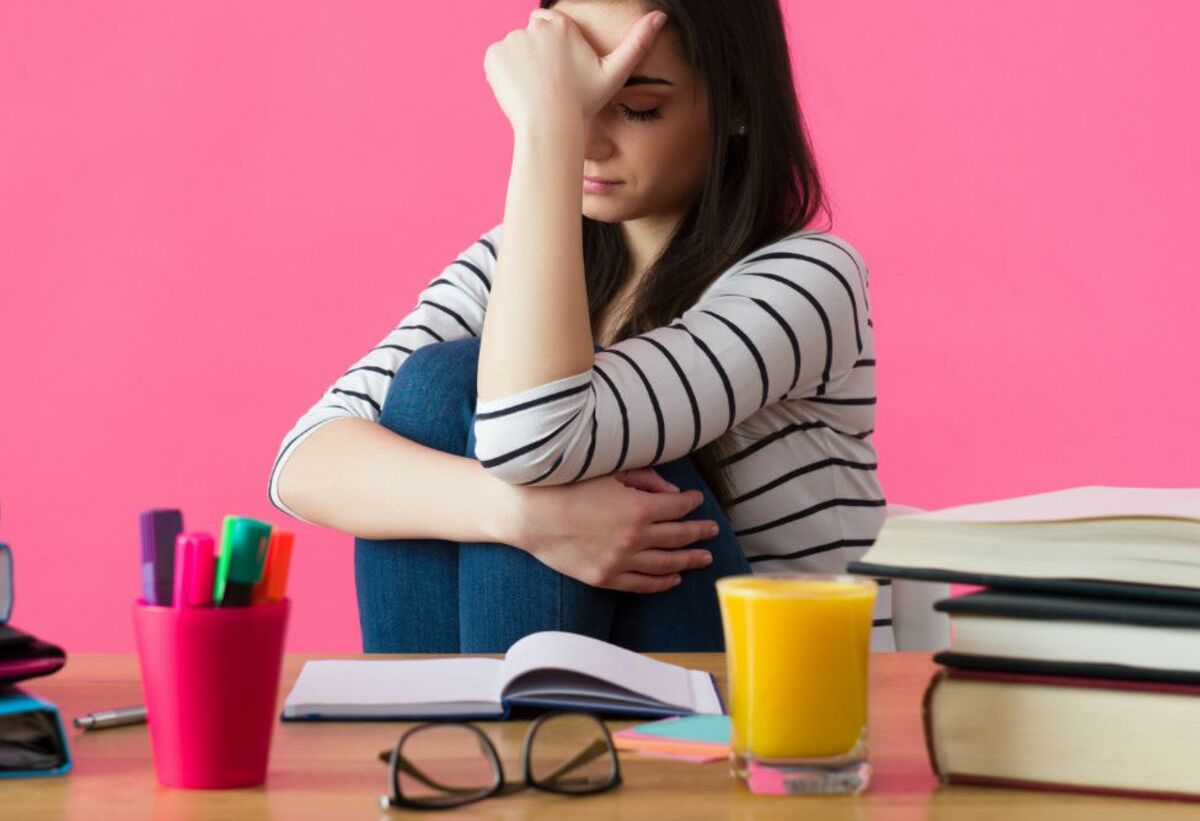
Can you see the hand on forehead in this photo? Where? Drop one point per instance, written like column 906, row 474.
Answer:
column 605, row 25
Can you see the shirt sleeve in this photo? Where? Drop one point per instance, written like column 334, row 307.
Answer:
column 452, row 306
column 785, row 323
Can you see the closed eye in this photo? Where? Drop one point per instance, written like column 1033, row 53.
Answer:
column 639, row 116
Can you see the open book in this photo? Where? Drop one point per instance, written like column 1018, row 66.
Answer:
column 1129, row 542
column 549, row 669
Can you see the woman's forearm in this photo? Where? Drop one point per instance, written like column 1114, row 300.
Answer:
column 537, row 327
column 361, row 478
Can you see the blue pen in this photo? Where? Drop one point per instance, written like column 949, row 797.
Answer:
column 158, row 530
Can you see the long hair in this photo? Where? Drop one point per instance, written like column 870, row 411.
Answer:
column 759, row 187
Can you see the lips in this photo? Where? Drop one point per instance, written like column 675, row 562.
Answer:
column 601, row 180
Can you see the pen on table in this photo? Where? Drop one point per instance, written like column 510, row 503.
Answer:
column 158, row 530
column 103, row 719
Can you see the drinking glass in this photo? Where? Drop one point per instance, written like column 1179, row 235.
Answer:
column 796, row 646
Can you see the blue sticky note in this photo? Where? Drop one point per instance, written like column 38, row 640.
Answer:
column 714, row 729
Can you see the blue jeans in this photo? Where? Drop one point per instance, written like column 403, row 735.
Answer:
column 438, row 596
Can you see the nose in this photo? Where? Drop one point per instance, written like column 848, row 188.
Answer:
column 596, row 144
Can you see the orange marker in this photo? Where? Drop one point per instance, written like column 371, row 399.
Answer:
column 274, row 578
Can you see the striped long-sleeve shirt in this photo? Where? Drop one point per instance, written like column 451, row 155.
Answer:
column 776, row 358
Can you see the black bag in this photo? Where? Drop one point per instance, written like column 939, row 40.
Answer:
column 22, row 655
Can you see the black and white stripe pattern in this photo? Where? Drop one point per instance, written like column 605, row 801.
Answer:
column 450, row 307
column 776, row 360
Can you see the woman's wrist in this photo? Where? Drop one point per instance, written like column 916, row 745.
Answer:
column 502, row 511
column 540, row 133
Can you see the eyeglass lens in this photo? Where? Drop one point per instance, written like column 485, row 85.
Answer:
column 445, row 764
column 572, row 753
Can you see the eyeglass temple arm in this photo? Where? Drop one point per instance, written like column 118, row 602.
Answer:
column 406, row 766
column 595, row 749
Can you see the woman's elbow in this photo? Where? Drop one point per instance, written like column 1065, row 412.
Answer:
column 526, row 455
column 525, row 469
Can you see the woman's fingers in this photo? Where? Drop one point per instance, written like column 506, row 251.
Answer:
column 645, row 479
column 642, row 583
column 665, row 507
column 679, row 534
column 619, row 62
column 655, row 562
column 654, row 570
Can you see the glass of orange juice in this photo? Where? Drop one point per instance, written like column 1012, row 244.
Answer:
column 797, row 645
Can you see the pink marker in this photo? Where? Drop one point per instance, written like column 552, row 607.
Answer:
column 195, row 565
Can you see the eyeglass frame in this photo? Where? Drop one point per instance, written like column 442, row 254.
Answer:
column 501, row 785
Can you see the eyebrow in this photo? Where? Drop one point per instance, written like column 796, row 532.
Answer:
column 641, row 80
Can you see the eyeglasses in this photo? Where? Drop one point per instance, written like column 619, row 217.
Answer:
column 439, row 765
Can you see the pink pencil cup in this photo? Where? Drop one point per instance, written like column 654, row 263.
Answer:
column 210, row 676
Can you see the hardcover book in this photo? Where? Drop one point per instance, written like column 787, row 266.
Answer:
column 1089, row 541
column 1133, row 738
column 1073, row 636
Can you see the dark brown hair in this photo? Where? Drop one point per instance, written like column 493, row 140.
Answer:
column 760, row 187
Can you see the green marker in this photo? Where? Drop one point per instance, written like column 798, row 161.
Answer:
column 222, row 571
column 249, row 540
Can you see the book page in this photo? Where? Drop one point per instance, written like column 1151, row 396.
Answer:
column 555, row 650
column 1092, row 502
column 371, row 687
column 566, row 688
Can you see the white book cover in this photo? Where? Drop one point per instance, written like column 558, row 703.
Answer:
column 1090, row 502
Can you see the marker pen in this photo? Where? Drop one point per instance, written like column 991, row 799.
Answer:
column 248, row 543
column 195, row 564
column 221, row 572
column 158, row 529
column 274, row 578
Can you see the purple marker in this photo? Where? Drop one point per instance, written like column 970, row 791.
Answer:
column 158, row 531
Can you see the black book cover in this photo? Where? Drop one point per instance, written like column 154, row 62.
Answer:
column 1074, row 587
column 1063, row 669
column 1015, row 604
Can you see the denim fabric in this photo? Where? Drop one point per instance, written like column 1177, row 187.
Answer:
column 433, row 595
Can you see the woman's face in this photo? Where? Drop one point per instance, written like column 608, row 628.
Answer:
column 660, row 156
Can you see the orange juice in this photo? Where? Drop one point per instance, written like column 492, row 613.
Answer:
column 797, row 648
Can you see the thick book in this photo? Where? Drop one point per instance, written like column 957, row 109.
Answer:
column 1089, row 541
column 32, row 739
column 1131, row 738
column 1073, row 636
column 550, row 669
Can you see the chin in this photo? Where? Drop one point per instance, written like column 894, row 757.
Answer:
column 603, row 213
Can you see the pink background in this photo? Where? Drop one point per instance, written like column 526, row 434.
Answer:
column 209, row 210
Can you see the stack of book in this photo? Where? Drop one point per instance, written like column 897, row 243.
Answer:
column 1078, row 666
column 33, row 741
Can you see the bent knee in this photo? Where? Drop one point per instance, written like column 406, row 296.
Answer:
column 451, row 352
column 437, row 375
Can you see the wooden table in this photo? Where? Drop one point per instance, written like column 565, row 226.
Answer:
column 328, row 770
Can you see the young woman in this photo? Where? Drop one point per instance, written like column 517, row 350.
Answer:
column 583, row 423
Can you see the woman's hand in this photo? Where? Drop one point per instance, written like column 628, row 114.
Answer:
column 618, row 531
column 549, row 69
